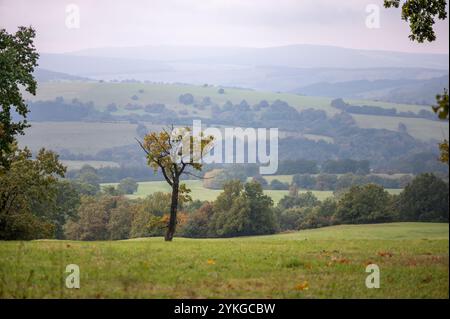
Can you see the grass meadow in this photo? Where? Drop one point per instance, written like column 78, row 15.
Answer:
column 325, row 263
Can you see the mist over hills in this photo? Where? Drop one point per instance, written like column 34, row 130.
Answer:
column 303, row 69
column 297, row 56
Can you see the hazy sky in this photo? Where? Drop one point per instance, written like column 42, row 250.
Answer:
column 249, row 23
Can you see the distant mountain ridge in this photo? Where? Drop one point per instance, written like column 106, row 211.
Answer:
column 299, row 56
column 303, row 69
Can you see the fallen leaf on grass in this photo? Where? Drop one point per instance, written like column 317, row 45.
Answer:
column 339, row 260
column 211, row 262
column 427, row 279
column 302, row 286
column 385, row 254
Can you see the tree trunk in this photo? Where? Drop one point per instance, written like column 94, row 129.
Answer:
column 171, row 227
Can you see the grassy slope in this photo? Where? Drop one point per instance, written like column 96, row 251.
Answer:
column 418, row 128
column 104, row 93
column 331, row 260
column 78, row 137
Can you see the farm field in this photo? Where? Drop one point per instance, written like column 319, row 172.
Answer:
column 56, row 135
column 325, row 263
column 204, row 194
column 421, row 129
column 103, row 94
column 79, row 137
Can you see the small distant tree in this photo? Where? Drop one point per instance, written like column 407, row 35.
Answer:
column 278, row 185
column 261, row 181
column 174, row 152
column 88, row 177
column 402, row 128
column 307, row 199
column 127, row 186
column 186, row 99
column 112, row 107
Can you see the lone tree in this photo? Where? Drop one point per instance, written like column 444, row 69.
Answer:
column 18, row 58
column 175, row 153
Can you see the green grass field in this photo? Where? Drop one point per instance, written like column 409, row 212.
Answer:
column 79, row 137
column 326, row 263
column 204, row 194
column 421, row 129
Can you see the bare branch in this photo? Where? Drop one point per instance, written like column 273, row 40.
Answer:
column 142, row 146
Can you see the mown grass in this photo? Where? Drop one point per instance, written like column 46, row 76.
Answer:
column 413, row 260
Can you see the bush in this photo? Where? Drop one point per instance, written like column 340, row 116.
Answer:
column 305, row 181
column 186, row 99
column 425, row 199
column 127, row 186
column 243, row 210
column 198, row 224
column 307, row 199
column 365, row 205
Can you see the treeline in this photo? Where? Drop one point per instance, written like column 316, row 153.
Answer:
column 380, row 111
column 216, row 175
column 36, row 203
column 116, row 174
column 331, row 182
column 242, row 209
column 60, row 110
column 391, row 151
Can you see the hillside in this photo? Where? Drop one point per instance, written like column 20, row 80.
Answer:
column 66, row 115
column 284, row 68
column 399, row 91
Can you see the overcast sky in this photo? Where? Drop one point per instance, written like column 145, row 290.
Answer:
column 249, row 23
